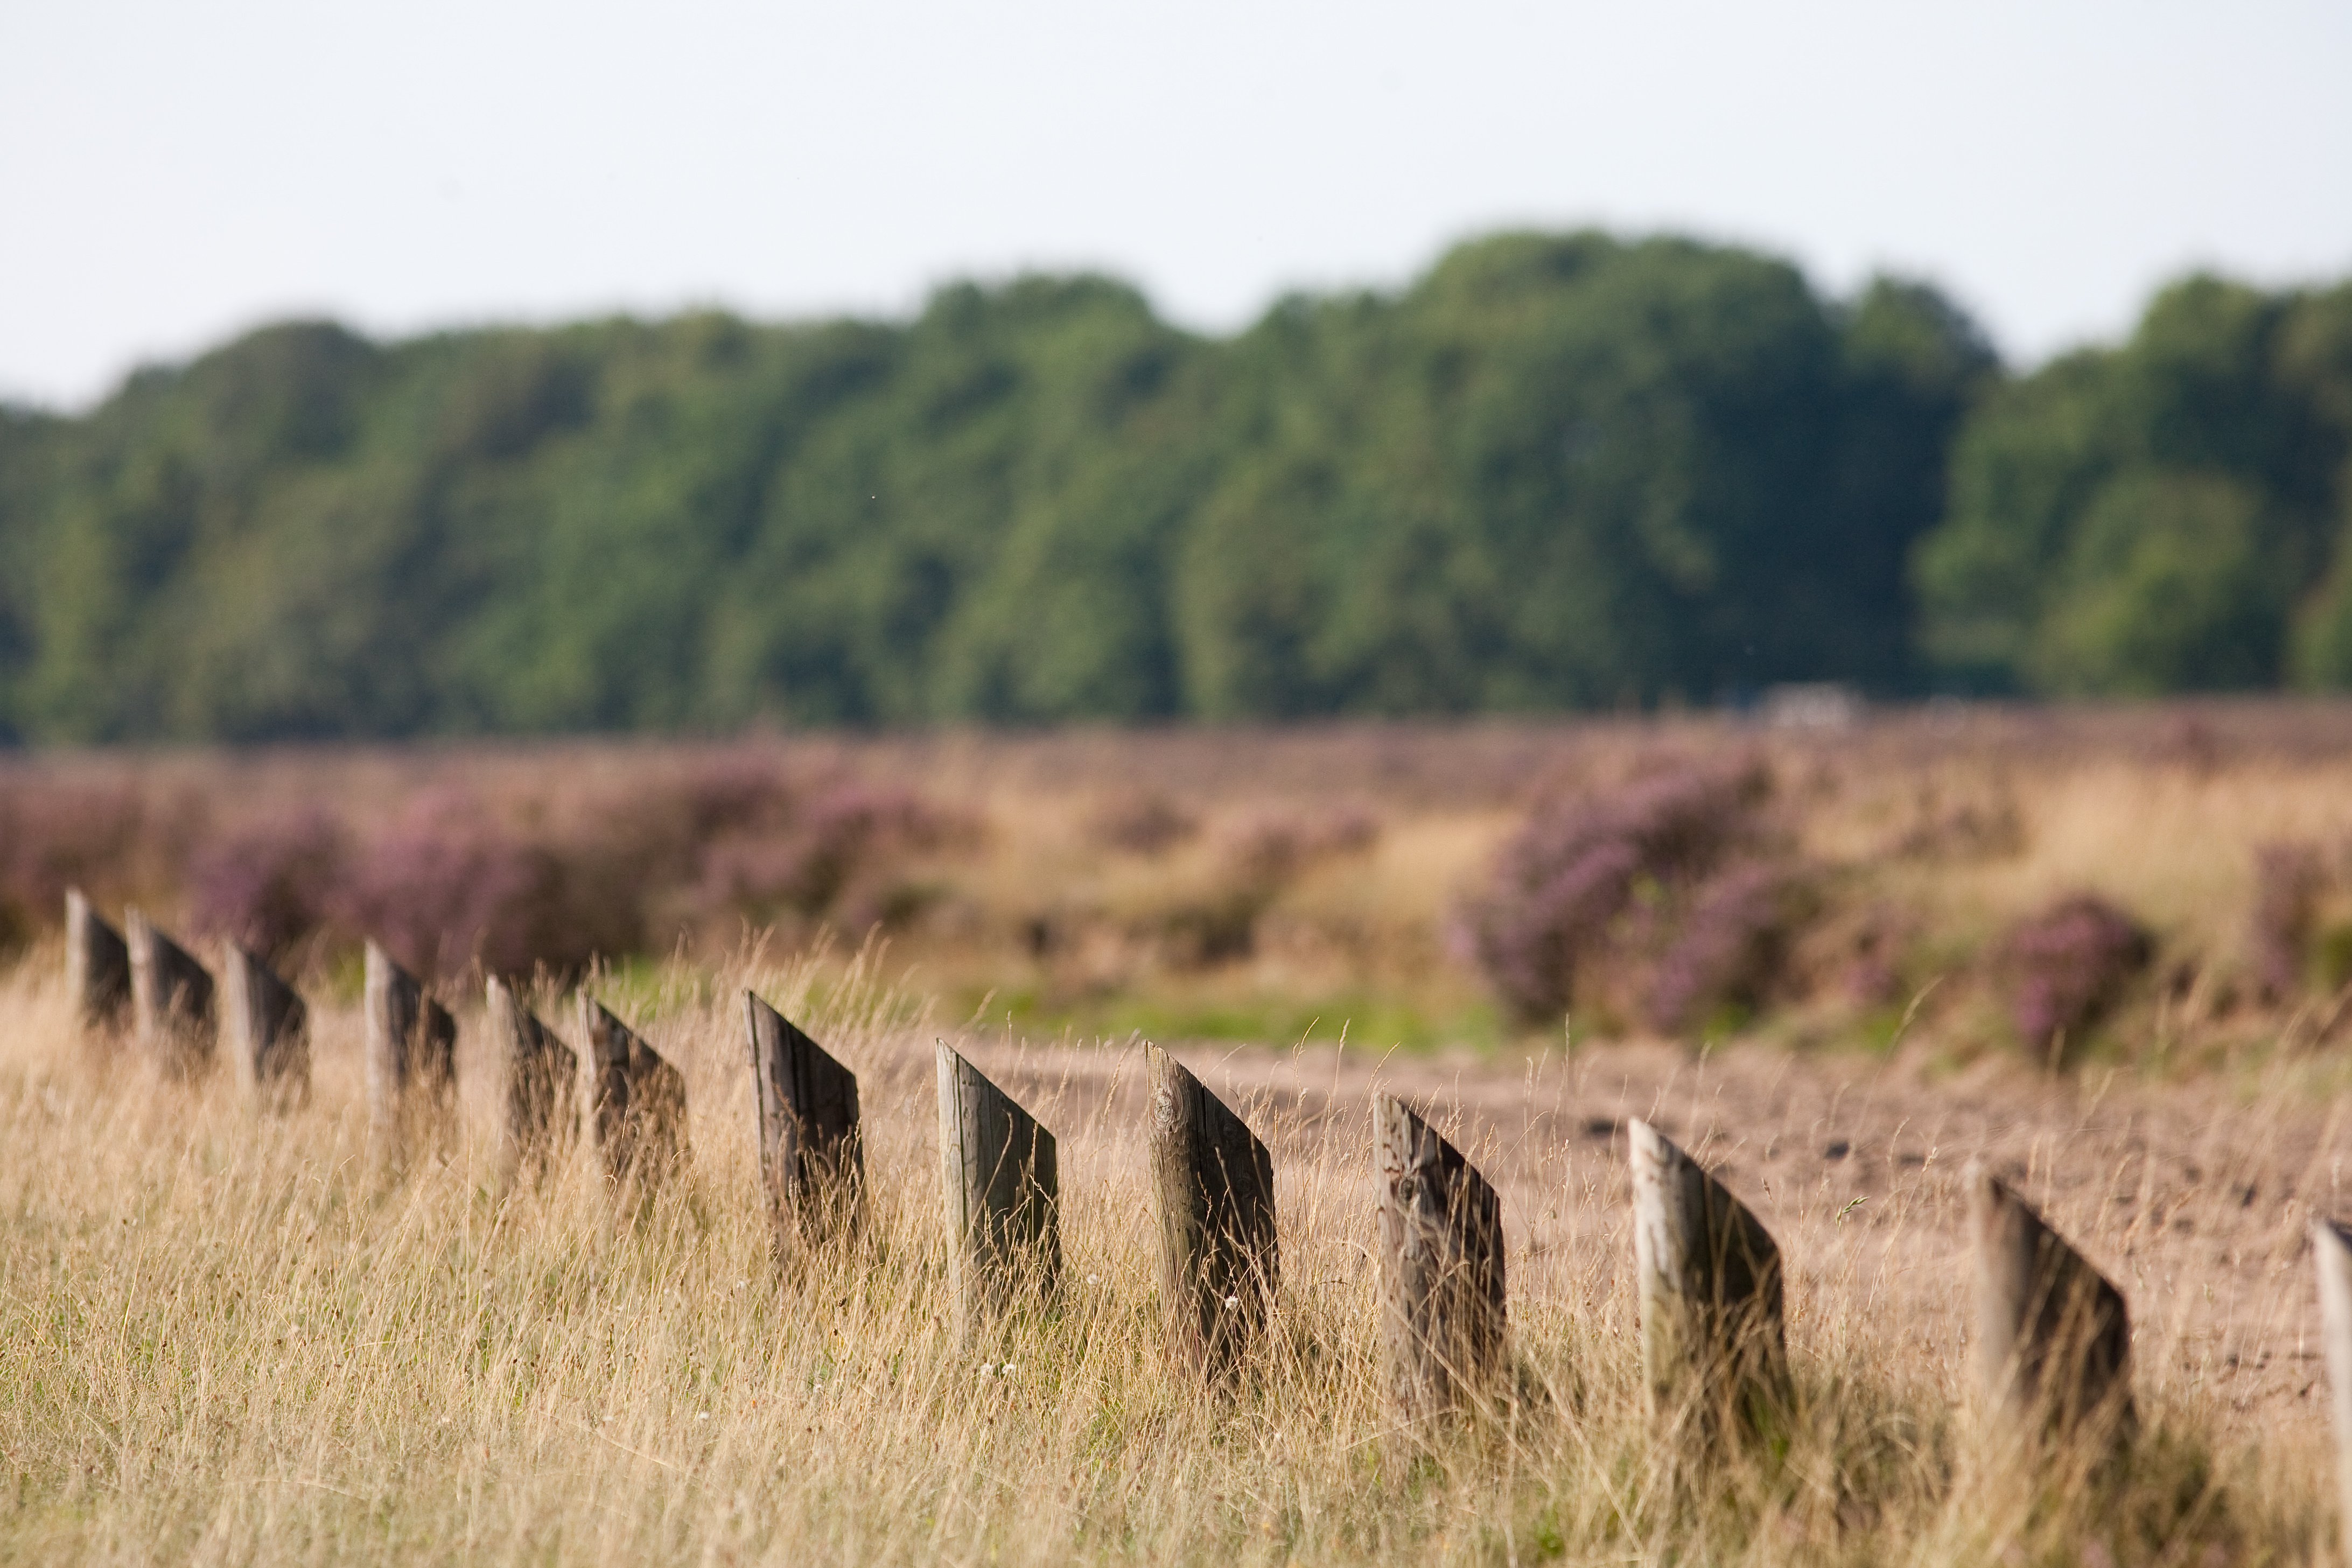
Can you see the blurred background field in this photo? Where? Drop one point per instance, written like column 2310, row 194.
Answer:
column 2166, row 885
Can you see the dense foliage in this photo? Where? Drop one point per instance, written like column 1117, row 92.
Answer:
column 1556, row 471
column 2163, row 515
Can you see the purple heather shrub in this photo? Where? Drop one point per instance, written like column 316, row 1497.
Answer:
column 447, row 881
column 655, row 832
column 2067, row 965
column 1143, row 824
column 834, row 858
column 1561, row 883
column 1729, row 947
column 271, row 883
column 2288, row 880
column 55, row 834
column 1872, row 971
column 734, row 792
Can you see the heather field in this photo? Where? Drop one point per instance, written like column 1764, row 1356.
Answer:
column 2105, row 951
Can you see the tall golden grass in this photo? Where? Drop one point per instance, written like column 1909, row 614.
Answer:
column 233, row 1336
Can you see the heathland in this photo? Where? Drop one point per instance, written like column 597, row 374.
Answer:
column 1556, row 472
column 2107, row 950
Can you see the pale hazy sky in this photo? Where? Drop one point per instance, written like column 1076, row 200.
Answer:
column 172, row 173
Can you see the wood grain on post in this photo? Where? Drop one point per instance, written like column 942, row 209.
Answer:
column 812, row 1154
column 1440, row 1230
column 1708, row 1276
column 2331, row 1246
column 1219, row 1263
column 2053, row 1338
column 543, row 1078
column 98, row 967
column 268, row 1028
column 637, row 1102
column 1003, row 1189
column 173, row 1007
column 412, row 1052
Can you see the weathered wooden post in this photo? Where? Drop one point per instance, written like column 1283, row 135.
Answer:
column 1003, row 1186
column 637, row 1103
column 2331, row 1248
column 412, row 1053
column 812, row 1154
column 1214, row 1181
column 1708, row 1276
column 543, row 1079
column 172, row 1004
column 2053, row 1338
column 98, row 967
column 1441, row 1230
column 268, row 1028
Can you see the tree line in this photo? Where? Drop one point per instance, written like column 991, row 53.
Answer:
column 1555, row 472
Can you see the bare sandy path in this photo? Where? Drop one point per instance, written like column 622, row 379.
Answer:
column 2193, row 1197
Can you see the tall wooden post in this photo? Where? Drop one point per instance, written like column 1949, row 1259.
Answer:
column 812, row 1154
column 1003, row 1188
column 1219, row 1261
column 412, row 1053
column 2053, row 1338
column 543, row 1078
column 98, row 967
column 268, row 1028
column 171, row 1003
column 2331, row 1248
column 1709, row 1280
column 1441, row 1228
column 636, row 1104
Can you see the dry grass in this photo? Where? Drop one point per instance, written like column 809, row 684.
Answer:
column 233, row 1337
column 230, row 1337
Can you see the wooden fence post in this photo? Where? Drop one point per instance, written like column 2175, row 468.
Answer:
column 1219, row 1262
column 98, row 967
column 1708, row 1275
column 2331, row 1248
column 268, row 1028
column 543, row 1082
column 1441, row 1230
column 637, row 1104
column 2053, row 1338
column 1003, row 1189
column 412, row 1053
column 811, row 1154
column 171, row 1003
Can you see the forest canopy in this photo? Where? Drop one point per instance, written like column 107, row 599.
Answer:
column 1556, row 471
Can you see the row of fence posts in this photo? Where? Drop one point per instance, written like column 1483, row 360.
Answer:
column 2053, row 1337
column 140, row 979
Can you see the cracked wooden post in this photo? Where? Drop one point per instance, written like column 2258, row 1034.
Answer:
column 98, row 967
column 1214, row 1181
column 269, row 1029
column 637, row 1102
column 2053, row 1338
column 412, row 1055
column 172, row 1004
column 1441, row 1228
column 542, row 1076
column 2331, row 1248
column 1709, row 1278
column 812, row 1154
column 1003, row 1189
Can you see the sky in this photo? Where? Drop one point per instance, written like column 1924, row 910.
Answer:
column 172, row 173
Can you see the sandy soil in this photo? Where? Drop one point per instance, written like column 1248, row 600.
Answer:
column 2193, row 1198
